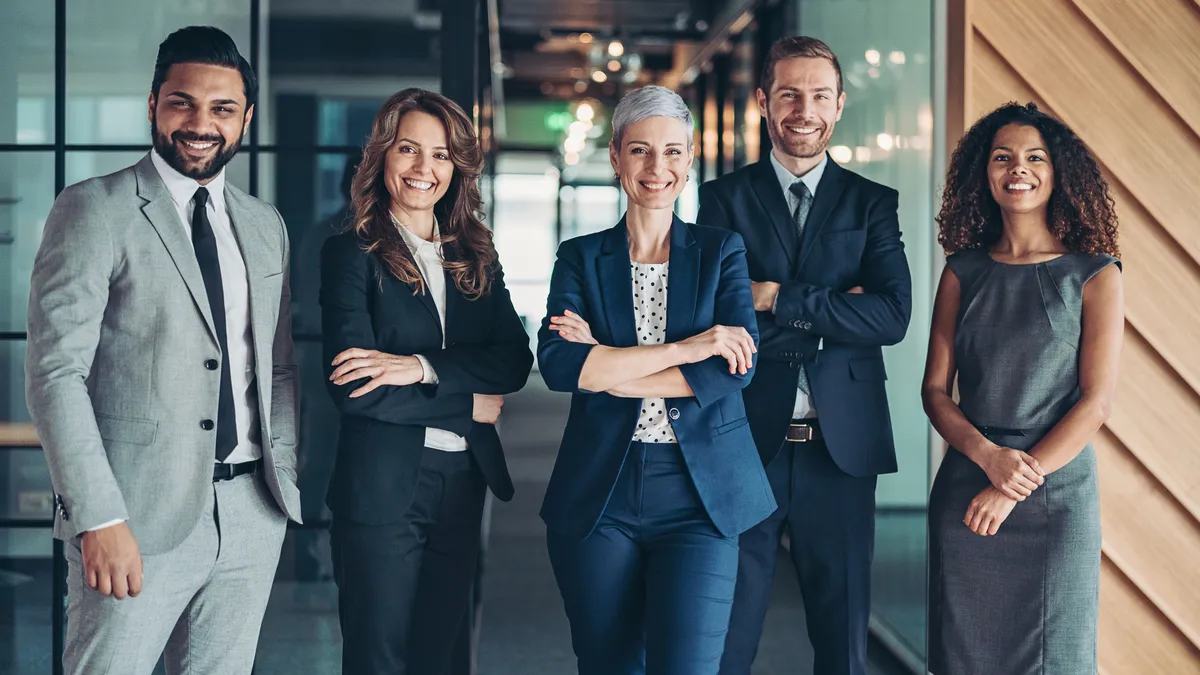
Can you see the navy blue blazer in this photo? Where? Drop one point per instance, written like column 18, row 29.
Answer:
column 708, row 285
column 852, row 238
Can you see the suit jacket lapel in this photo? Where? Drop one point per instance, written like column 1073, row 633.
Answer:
column 160, row 210
column 616, row 287
column 454, row 302
column 829, row 193
column 766, row 186
column 261, row 258
column 683, row 280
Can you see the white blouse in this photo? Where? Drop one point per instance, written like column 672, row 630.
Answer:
column 650, row 311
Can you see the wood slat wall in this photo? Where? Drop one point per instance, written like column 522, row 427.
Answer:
column 1125, row 76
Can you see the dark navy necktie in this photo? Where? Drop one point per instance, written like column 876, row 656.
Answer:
column 205, row 244
column 805, row 197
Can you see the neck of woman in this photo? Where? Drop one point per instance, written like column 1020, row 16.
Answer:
column 649, row 234
column 419, row 223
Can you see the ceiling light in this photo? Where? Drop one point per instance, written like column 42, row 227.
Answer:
column 599, row 76
column 615, row 48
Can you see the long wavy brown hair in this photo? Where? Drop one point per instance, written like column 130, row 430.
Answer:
column 468, row 253
column 1080, row 212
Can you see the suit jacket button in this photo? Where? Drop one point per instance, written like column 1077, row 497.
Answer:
column 806, row 325
column 797, row 324
column 207, row 425
column 673, row 413
column 211, row 364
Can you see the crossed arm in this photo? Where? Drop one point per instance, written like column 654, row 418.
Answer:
column 706, row 366
column 874, row 312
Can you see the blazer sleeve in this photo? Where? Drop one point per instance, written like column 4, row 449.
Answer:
column 285, row 375
column 69, row 292
column 710, row 379
column 499, row 366
column 346, row 323
column 879, row 315
column 560, row 360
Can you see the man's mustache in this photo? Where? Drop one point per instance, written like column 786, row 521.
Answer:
column 196, row 138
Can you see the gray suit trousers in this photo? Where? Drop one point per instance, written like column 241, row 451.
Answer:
column 202, row 602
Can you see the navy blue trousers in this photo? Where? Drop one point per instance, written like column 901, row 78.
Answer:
column 650, row 589
column 829, row 516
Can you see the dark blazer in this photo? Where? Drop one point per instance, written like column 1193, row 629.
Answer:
column 707, row 286
column 383, row 432
column 852, row 238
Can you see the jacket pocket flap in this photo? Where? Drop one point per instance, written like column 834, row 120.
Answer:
column 730, row 426
column 126, row 429
column 867, row 369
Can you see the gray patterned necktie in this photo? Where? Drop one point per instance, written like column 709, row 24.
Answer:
column 804, row 205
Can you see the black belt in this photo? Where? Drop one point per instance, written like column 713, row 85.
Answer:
column 804, row 431
column 224, row 471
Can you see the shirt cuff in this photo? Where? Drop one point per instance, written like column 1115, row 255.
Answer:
column 428, row 377
column 110, row 523
column 774, row 303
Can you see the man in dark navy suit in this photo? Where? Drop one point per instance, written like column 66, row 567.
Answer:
column 831, row 286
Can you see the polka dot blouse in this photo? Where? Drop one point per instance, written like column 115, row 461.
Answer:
column 650, row 310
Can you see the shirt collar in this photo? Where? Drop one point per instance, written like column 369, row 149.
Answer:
column 416, row 243
column 811, row 179
column 183, row 189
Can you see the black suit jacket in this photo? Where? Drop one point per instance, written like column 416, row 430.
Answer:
column 852, row 238
column 383, row 433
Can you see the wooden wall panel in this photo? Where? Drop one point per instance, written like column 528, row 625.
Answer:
column 1126, row 76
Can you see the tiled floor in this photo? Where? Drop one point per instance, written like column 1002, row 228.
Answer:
column 524, row 631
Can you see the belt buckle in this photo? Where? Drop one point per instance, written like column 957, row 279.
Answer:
column 807, row 435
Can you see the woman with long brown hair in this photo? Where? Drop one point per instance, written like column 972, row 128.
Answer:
column 421, row 342
column 1028, row 321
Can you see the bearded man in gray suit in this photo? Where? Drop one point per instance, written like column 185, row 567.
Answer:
column 161, row 380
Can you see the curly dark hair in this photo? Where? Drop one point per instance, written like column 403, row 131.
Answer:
column 1080, row 214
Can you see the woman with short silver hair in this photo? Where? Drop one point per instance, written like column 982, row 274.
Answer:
column 650, row 325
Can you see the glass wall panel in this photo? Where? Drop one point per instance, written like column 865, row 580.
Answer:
column 330, row 65
column 110, row 65
column 26, row 194
column 885, row 50
column 27, row 72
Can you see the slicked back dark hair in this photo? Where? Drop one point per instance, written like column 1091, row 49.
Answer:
column 203, row 44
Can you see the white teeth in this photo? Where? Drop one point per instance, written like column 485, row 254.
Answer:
column 199, row 146
column 417, row 184
column 1019, row 187
column 802, row 130
column 654, row 186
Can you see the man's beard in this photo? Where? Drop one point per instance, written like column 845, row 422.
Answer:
column 168, row 149
column 812, row 146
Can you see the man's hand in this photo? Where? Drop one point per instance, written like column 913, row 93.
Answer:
column 381, row 367
column 764, row 295
column 857, row 290
column 112, row 562
column 487, row 408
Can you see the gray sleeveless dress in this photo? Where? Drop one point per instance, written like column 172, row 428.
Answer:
column 1025, row 601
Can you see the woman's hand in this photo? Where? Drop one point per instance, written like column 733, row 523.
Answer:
column 382, row 368
column 573, row 328
column 1014, row 473
column 988, row 511
column 733, row 344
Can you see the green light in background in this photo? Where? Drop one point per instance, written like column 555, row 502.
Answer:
column 558, row 121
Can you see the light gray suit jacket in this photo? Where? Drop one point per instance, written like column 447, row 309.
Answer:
column 119, row 330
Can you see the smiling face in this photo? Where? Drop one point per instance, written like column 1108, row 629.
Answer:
column 418, row 168
column 802, row 107
column 198, row 118
column 1020, row 173
column 653, row 161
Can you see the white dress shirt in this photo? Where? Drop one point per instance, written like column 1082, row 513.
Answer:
column 428, row 256
column 805, row 408
column 236, row 288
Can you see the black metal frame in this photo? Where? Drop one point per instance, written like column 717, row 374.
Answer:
column 461, row 36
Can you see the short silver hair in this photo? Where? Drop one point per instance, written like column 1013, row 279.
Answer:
column 649, row 101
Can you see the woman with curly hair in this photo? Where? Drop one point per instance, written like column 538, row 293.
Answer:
column 1028, row 316
column 421, row 341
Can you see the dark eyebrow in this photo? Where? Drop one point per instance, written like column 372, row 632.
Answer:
column 188, row 97
column 824, row 90
column 1008, row 149
column 409, row 140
